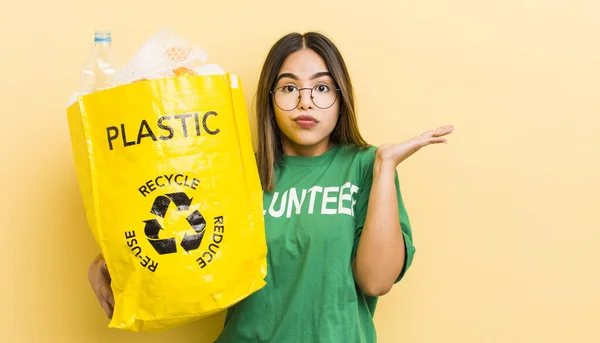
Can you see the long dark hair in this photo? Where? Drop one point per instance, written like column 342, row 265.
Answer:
column 269, row 136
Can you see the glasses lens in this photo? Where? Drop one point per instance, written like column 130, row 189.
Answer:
column 324, row 95
column 287, row 97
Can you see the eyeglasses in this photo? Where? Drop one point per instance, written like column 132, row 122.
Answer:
column 288, row 97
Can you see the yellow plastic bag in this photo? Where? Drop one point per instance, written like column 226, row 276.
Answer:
column 172, row 196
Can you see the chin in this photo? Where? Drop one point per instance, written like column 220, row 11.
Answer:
column 307, row 139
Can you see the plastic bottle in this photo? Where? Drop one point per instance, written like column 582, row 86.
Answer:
column 97, row 73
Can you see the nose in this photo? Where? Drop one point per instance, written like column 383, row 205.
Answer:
column 305, row 102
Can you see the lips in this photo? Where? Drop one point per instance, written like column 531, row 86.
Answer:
column 306, row 121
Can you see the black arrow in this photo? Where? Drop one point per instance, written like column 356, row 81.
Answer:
column 191, row 242
column 164, row 246
column 160, row 206
column 197, row 221
column 161, row 203
column 181, row 200
column 152, row 228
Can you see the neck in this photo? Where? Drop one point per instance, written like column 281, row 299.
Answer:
column 293, row 149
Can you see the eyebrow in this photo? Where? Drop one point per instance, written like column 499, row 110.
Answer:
column 294, row 77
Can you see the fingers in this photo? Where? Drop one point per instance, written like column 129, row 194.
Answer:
column 100, row 281
column 104, row 270
column 108, row 308
column 443, row 130
column 434, row 137
column 424, row 141
column 428, row 134
column 106, row 290
column 439, row 132
column 437, row 140
column 107, row 293
column 105, row 296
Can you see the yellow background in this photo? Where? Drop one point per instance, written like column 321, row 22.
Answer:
column 505, row 218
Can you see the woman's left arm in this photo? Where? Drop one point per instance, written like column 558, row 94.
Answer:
column 381, row 251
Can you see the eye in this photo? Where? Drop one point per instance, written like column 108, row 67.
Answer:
column 322, row 88
column 288, row 89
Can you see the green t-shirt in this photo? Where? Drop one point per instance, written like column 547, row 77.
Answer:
column 313, row 222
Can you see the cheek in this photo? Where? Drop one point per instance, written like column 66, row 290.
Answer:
column 281, row 119
column 331, row 117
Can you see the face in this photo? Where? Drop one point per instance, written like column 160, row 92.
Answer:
column 306, row 123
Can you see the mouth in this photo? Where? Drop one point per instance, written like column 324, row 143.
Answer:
column 306, row 121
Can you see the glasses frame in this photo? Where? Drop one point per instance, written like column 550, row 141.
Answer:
column 300, row 97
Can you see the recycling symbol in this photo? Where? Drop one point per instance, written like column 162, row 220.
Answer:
column 153, row 227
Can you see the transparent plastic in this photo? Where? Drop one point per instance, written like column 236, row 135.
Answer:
column 99, row 69
column 166, row 54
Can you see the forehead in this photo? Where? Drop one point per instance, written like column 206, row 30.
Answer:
column 303, row 63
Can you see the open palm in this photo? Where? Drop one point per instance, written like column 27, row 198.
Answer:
column 398, row 152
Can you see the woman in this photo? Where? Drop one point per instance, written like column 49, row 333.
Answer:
column 336, row 226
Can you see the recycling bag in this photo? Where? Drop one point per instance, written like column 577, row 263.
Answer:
column 172, row 196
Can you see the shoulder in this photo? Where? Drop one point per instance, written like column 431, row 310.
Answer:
column 360, row 159
column 365, row 156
